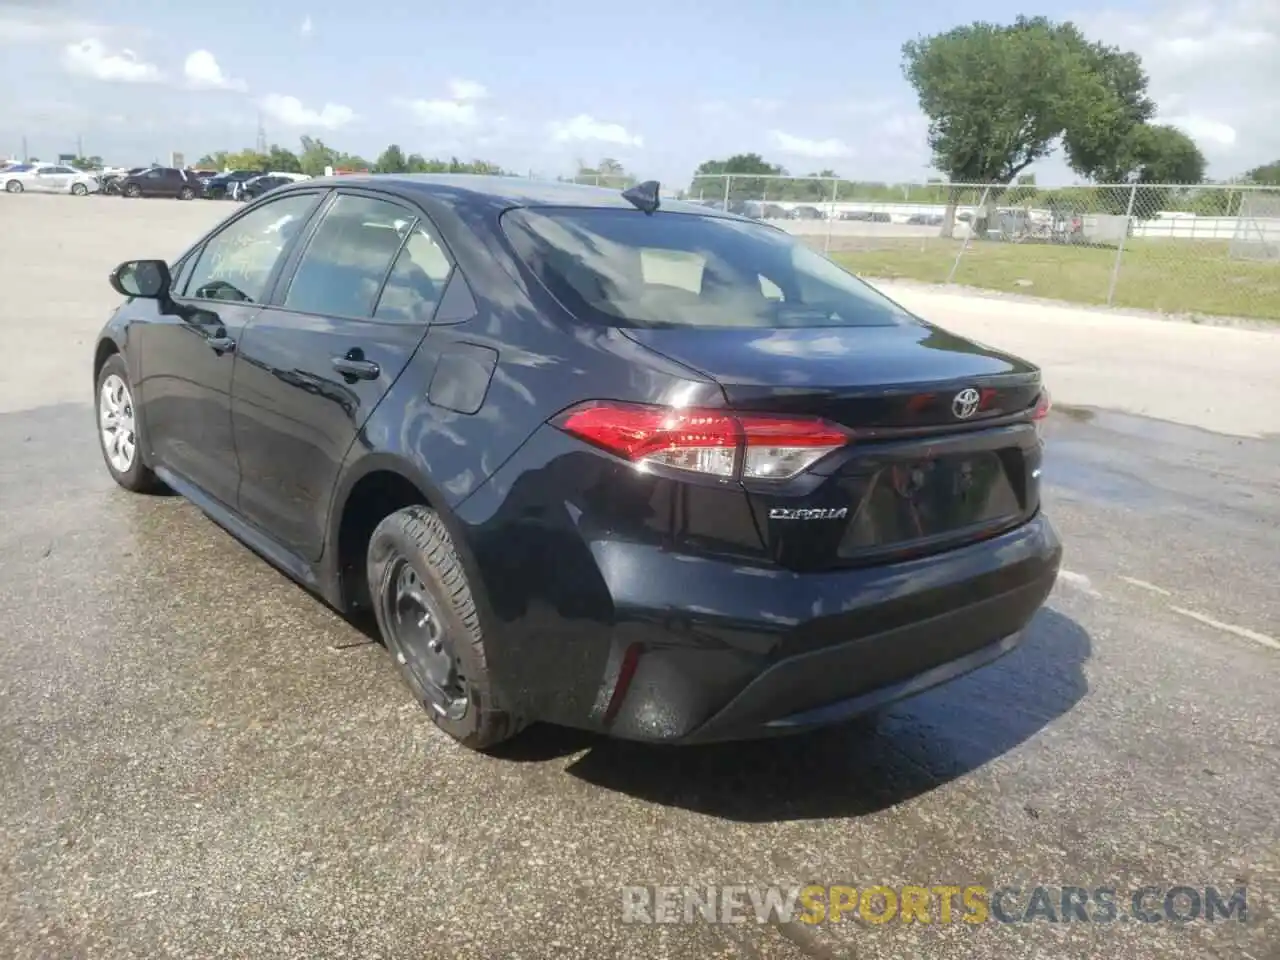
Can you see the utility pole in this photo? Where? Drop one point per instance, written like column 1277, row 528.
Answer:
column 24, row 148
column 79, row 146
column 262, row 135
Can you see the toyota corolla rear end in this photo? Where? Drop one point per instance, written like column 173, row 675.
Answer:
column 838, row 509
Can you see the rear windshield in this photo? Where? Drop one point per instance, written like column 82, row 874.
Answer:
column 624, row 268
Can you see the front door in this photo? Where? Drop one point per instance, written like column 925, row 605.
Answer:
column 188, row 351
column 316, row 362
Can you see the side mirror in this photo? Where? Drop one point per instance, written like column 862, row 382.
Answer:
column 141, row 278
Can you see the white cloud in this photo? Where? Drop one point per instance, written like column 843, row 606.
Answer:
column 1214, row 69
column 1204, row 129
column 35, row 25
column 830, row 149
column 291, row 112
column 203, row 73
column 442, row 113
column 307, row 26
column 586, row 129
column 92, row 58
column 467, row 90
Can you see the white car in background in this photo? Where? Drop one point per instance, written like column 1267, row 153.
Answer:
column 48, row 178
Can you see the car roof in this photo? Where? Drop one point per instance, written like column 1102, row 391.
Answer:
column 455, row 188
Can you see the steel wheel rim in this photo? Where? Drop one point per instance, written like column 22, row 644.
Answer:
column 116, row 423
column 421, row 642
column 79, row 189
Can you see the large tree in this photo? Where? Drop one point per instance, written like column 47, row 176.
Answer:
column 1267, row 175
column 1001, row 97
column 749, row 172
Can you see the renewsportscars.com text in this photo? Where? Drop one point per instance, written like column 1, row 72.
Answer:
column 937, row 903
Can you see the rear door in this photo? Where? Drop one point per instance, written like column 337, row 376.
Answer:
column 344, row 322
column 45, row 178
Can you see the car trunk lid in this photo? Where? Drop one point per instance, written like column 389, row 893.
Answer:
column 942, row 449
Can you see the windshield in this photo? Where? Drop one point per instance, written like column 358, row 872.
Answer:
column 626, row 268
column 17, row 168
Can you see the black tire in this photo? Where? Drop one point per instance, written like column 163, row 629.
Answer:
column 133, row 191
column 79, row 190
column 186, row 193
column 136, row 476
column 13, row 186
column 413, row 545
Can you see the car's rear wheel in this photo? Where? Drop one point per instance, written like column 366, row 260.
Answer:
column 133, row 191
column 119, row 433
column 428, row 620
column 13, row 186
column 79, row 190
column 186, row 193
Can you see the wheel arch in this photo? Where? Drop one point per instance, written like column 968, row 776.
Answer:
column 371, row 488
column 106, row 349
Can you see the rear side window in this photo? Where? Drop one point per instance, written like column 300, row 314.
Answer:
column 417, row 281
column 624, row 268
column 348, row 258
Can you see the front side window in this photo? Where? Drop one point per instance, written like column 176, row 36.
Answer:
column 417, row 280
column 237, row 263
column 621, row 267
column 348, row 258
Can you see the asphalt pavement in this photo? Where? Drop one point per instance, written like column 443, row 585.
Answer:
column 198, row 759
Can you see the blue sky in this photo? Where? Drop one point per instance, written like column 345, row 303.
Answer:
column 536, row 85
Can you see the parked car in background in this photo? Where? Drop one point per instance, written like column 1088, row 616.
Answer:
column 49, row 178
column 252, row 189
column 805, row 212
column 647, row 469
column 162, row 182
column 224, row 185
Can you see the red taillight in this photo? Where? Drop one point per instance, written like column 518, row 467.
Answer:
column 1041, row 412
column 716, row 442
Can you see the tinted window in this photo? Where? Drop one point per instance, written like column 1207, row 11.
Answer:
column 348, row 257
column 63, row 170
column 238, row 262
column 417, row 280
column 624, row 268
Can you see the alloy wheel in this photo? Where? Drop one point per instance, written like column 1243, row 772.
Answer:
column 116, row 423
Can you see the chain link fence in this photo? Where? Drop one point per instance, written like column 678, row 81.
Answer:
column 1206, row 250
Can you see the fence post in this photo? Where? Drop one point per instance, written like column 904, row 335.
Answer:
column 982, row 205
column 1128, row 225
column 831, row 215
column 728, row 179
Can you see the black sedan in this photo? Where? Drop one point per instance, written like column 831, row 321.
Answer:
column 227, row 184
column 252, row 189
column 651, row 470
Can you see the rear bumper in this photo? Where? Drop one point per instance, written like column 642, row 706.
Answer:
column 750, row 653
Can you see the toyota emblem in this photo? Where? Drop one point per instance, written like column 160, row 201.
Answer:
column 965, row 403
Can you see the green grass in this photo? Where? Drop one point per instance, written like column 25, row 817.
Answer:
column 1171, row 276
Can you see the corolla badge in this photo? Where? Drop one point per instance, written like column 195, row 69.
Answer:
column 812, row 513
column 965, row 403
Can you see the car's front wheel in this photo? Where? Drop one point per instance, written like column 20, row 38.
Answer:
column 428, row 620
column 79, row 190
column 119, row 433
column 13, row 186
column 186, row 193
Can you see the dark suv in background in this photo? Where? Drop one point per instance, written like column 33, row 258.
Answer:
column 162, row 182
